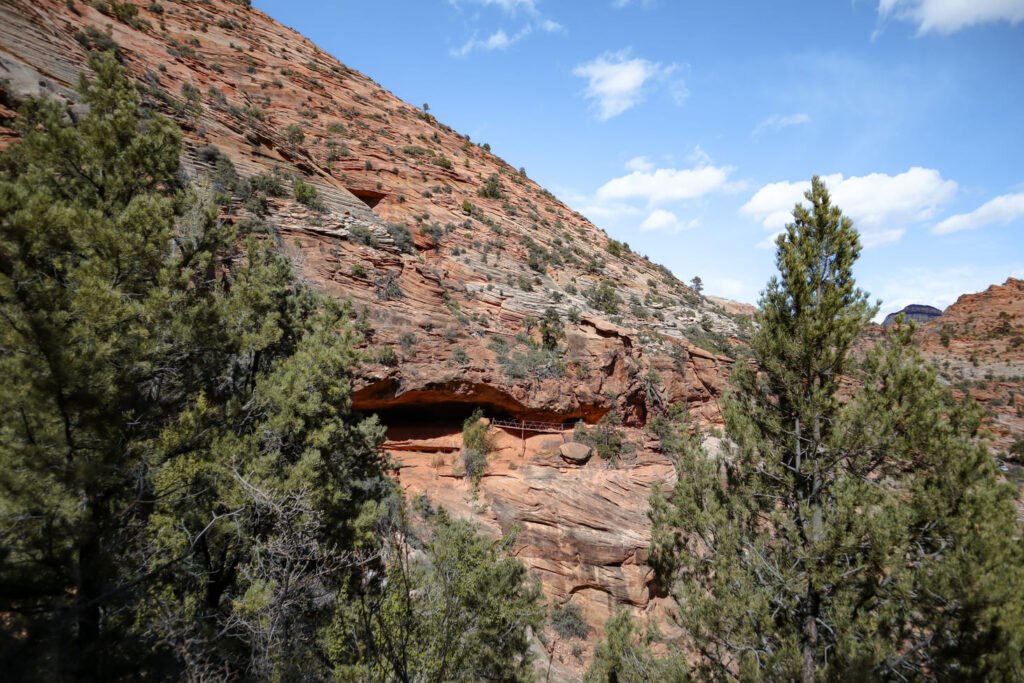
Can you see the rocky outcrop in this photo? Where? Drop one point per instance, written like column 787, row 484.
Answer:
column 978, row 347
column 917, row 313
column 575, row 453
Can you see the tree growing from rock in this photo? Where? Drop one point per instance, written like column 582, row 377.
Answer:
column 866, row 539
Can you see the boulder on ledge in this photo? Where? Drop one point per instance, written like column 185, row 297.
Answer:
column 575, row 453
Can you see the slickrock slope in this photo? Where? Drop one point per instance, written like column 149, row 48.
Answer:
column 978, row 345
column 451, row 255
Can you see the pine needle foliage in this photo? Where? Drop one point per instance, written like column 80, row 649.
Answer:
column 868, row 539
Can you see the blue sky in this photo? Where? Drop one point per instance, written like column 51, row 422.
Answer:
column 688, row 128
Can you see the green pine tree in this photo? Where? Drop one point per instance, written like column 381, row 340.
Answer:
column 834, row 540
column 185, row 491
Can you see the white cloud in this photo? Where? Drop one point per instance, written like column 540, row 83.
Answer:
column 662, row 220
column 950, row 16
column 999, row 211
column 778, row 122
column 499, row 40
column 880, row 205
column 666, row 184
column 551, row 26
column 615, row 82
column 639, row 164
column 645, row 197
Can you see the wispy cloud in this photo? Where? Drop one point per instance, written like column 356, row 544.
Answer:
column 881, row 205
column 1001, row 210
column 501, row 39
column 620, row 4
column 511, row 6
column 950, row 16
column 779, row 121
column 616, row 81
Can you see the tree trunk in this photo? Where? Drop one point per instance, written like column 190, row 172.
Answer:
column 87, row 602
column 810, row 636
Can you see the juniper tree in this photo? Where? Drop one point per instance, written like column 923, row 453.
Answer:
column 831, row 539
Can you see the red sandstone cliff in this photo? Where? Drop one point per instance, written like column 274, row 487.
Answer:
column 459, row 308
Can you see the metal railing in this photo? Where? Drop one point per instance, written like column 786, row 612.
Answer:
column 531, row 425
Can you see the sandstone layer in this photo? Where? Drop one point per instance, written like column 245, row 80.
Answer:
column 451, row 257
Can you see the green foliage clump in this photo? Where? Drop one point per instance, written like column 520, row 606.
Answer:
column 307, row 195
column 458, row 612
column 294, row 134
column 475, row 433
column 95, row 40
column 173, row 430
column 402, row 238
column 617, row 248
column 604, row 297
column 360, row 234
column 459, row 357
column 841, row 540
column 552, row 330
column 625, row 656
column 1017, row 450
column 387, row 287
column 491, row 188
column 567, row 620
column 528, row 360
column 433, row 233
column 269, row 183
column 476, row 444
column 605, row 438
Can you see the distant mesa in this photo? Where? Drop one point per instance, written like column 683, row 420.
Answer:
column 916, row 312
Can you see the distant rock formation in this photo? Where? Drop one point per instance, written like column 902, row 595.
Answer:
column 916, row 312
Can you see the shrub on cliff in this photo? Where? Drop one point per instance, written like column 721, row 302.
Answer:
column 476, row 444
column 568, row 622
column 307, row 195
column 605, row 438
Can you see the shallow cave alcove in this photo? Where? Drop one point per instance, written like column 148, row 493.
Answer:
column 369, row 197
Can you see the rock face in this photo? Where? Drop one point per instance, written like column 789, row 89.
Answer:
column 978, row 347
column 449, row 255
column 582, row 530
column 917, row 313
